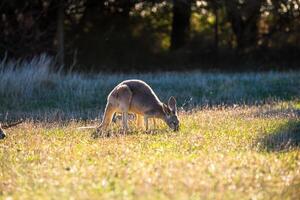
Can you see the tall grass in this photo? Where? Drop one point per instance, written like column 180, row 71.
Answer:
column 30, row 88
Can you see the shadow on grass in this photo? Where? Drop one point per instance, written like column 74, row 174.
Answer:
column 119, row 133
column 279, row 113
column 285, row 138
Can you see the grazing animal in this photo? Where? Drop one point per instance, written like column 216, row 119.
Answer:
column 136, row 96
column 2, row 133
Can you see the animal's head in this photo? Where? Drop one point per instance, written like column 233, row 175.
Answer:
column 171, row 117
column 2, row 133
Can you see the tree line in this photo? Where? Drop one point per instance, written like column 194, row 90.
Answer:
column 153, row 34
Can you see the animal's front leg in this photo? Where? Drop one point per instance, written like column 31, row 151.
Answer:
column 154, row 123
column 139, row 120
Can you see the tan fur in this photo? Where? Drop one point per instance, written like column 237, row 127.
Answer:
column 136, row 96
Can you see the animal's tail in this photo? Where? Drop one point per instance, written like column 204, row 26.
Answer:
column 87, row 127
column 5, row 126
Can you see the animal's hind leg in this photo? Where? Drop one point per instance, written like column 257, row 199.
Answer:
column 146, row 122
column 125, row 121
column 107, row 118
column 123, row 95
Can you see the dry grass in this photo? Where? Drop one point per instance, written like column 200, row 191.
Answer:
column 242, row 142
column 219, row 153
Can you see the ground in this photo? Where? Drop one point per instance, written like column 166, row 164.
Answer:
column 240, row 152
column 238, row 139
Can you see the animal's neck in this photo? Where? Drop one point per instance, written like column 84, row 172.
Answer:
column 160, row 112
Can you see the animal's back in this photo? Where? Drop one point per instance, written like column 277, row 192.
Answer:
column 143, row 97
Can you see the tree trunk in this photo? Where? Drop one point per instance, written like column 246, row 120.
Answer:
column 216, row 29
column 60, row 35
column 244, row 19
column 180, row 23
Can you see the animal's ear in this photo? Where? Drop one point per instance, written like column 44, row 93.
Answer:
column 166, row 109
column 172, row 104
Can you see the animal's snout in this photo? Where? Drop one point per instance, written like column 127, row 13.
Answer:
column 176, row 128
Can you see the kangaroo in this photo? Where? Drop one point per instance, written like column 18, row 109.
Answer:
column 2, row 133
column 136, row 96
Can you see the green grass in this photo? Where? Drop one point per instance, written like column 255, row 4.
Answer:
column 239, row 137
column 219, row 153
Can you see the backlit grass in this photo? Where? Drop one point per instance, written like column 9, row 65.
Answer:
column 236, row 152
column 29, row 89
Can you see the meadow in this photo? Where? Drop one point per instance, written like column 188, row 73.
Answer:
column 239, row 137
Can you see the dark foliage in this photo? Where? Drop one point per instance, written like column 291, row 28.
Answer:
column 135, row 35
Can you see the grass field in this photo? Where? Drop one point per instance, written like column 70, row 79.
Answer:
column 239, row 138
